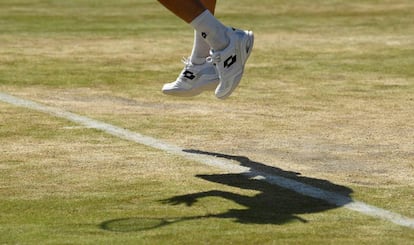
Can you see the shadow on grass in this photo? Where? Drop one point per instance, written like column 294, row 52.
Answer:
column 272, row 204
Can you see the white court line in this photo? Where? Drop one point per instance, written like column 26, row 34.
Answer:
column 296, row 186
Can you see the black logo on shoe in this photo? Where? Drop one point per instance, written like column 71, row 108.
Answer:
column 230, row 61
column 204, row 35
column 189, row 75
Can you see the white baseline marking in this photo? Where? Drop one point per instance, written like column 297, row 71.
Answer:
column 296, row 186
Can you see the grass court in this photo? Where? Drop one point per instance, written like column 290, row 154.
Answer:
column 327, row 99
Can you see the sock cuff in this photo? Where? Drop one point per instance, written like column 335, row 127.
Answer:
column 201, row 18
column 211, row 29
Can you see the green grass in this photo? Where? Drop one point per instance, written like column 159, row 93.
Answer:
column 328, row 93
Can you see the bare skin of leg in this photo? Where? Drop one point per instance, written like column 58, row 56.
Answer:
column 188, row 10
column 210, row 5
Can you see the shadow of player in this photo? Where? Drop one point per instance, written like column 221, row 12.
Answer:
column 272, row 204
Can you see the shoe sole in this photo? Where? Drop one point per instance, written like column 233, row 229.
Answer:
column 210, row 86
column 245, row 56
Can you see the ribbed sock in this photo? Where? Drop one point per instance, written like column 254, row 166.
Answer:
column 212, row 30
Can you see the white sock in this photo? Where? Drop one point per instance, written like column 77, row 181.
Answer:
column 201, row 49
column 212, row 30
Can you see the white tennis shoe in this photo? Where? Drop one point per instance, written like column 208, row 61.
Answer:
column 230, row 61
column 193, row 80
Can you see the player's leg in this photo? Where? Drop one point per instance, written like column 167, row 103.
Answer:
column 230, row 47
column 187, row 10
column 230, row 50
column 197, row 75
column 201, row 49
column 197, row 15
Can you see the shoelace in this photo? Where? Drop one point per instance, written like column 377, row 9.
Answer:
column 215, row 58
column 186, row 61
